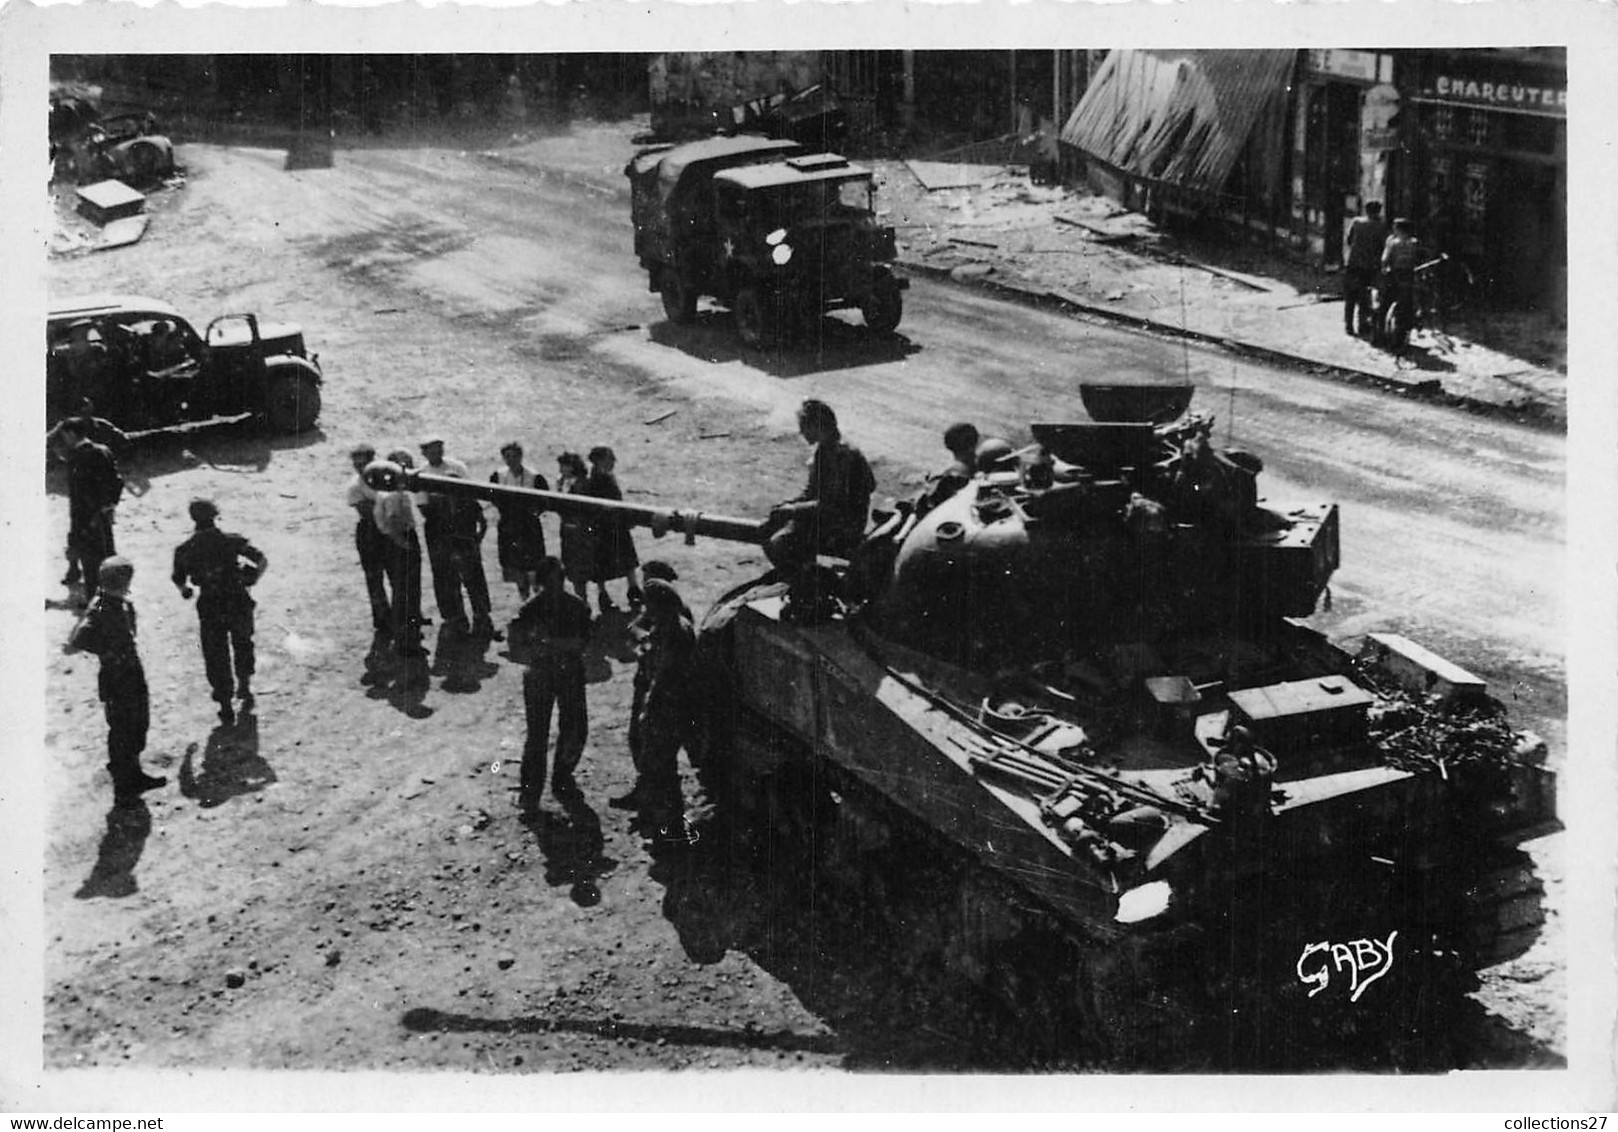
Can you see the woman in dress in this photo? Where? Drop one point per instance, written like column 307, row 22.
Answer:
column 521, row 539
column 578, row 536
column 615, row 555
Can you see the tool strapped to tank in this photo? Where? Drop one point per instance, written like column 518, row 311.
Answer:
column 1029, row 763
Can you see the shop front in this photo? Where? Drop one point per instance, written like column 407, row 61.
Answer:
column 1345, row 143
column 1487, row 142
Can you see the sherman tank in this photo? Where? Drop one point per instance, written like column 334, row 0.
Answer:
column 1068, row 733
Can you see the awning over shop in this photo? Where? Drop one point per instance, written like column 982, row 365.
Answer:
column 1180, row 118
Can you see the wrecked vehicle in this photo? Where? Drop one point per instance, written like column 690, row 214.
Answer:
column 778, row 235
column 125, row 147
column 139, row 364
column 1064, row 736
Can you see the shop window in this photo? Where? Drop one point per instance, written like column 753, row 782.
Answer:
column 1526, row 133
column 1475, row 196
column 1440, row 180
column 1477, row 127
column 1443, row 123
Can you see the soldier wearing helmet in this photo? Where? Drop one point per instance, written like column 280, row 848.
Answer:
column 222, row 566
column 662, row 715
column 107, row 629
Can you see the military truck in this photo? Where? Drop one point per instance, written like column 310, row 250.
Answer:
column 778, row 235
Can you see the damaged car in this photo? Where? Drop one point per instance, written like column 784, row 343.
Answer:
column 138, row 363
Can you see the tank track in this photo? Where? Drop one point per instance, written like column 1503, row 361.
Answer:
column 946, row 920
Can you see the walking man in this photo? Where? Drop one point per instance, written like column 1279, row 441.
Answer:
column 369, row 540
column 548, row 636
column 1362, row 259
column 107, row 629
column 222, row 566
column 94, row 487
column 830, row 514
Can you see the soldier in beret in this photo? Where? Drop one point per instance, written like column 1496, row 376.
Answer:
column 222, row 566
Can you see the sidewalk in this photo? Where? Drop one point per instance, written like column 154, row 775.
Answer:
column 988, row 225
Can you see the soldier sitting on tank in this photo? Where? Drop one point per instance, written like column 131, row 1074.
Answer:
column 830, row 514
column 961, row 439
column 1207, row 487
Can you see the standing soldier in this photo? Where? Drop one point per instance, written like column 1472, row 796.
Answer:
column 369, row 540
column 1362, row 258
column 548, row 636
column 94, row 487
column 222, row 566
column 107, row 629
column 663, row 722
column 639, row 629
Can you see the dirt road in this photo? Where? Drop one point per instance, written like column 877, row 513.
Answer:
column 347, row 885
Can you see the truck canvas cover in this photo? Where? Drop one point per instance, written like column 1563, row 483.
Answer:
column 673, row 164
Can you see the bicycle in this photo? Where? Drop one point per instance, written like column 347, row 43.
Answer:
column 1436, row 290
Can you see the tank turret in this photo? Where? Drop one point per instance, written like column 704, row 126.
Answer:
column 1107, row 532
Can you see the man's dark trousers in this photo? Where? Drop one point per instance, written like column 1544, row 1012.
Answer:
column 226, row 629
column 468, row 555
column 446, row 569
column 371, row 544
column 128, row 711
column 554, row 682
column 1357, row 295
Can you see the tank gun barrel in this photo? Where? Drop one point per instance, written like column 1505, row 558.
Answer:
column 385, row 476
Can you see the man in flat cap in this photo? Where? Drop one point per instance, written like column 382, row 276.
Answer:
column 222, row 566
column 453, row 528
column 369, row 540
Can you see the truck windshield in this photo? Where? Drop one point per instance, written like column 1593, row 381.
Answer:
column 817, row 202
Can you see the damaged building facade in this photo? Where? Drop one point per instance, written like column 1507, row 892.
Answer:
column 1285, row 146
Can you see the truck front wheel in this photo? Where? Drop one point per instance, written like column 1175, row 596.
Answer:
column 753, row 321
column 679, row 297
column 291, row 399
column 884, row 306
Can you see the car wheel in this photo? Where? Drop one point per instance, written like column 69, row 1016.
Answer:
column 884, row 306
column 291, row 400
column 753, row 321
column 145, row 162
column 679, row 297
